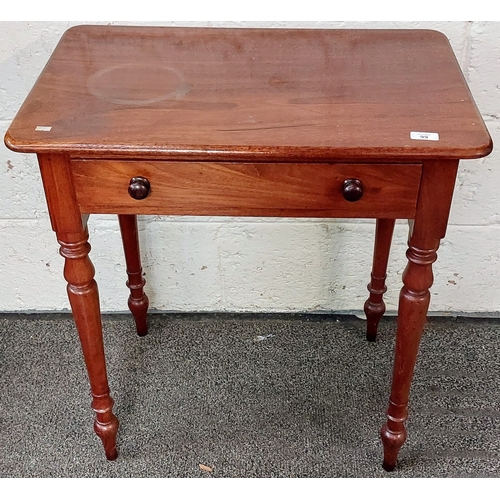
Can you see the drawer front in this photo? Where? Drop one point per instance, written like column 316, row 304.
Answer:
column 248, row 189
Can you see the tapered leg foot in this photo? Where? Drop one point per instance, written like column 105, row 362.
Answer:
column 393, row 435
column 375, row 307
column 139, row 309
column 106, row 427
column 387, row 467
column 374, row 313
column 138, row 301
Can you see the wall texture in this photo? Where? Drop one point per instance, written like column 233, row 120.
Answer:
column 216, row 264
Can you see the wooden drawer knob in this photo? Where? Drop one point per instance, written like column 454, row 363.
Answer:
column 352, row 189
column 139, row 188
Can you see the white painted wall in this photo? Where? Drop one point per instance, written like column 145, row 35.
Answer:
column 236, row 264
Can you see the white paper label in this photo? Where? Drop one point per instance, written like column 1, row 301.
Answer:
column 424, row 136
column 43, row 129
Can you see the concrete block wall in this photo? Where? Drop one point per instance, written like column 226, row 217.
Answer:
column 255, row 265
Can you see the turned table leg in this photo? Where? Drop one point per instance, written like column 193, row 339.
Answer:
column 375, row 306
column 413, row 306
column 428, row 228
column 138, row 302
column 84, row 299
column 72, row 235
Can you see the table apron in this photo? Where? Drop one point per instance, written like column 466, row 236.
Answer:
column 247, row 189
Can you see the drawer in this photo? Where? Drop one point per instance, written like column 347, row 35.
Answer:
column 248, row 189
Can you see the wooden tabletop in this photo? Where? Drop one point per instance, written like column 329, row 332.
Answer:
column 276, row 94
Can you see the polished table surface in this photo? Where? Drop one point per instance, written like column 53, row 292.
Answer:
column 251, row 122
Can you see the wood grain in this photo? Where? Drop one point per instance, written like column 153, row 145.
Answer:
column 274, row 94
column 247, row 189
column 434, row 204
column 72, row 235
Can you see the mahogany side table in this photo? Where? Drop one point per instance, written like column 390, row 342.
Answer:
column 251, row 122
